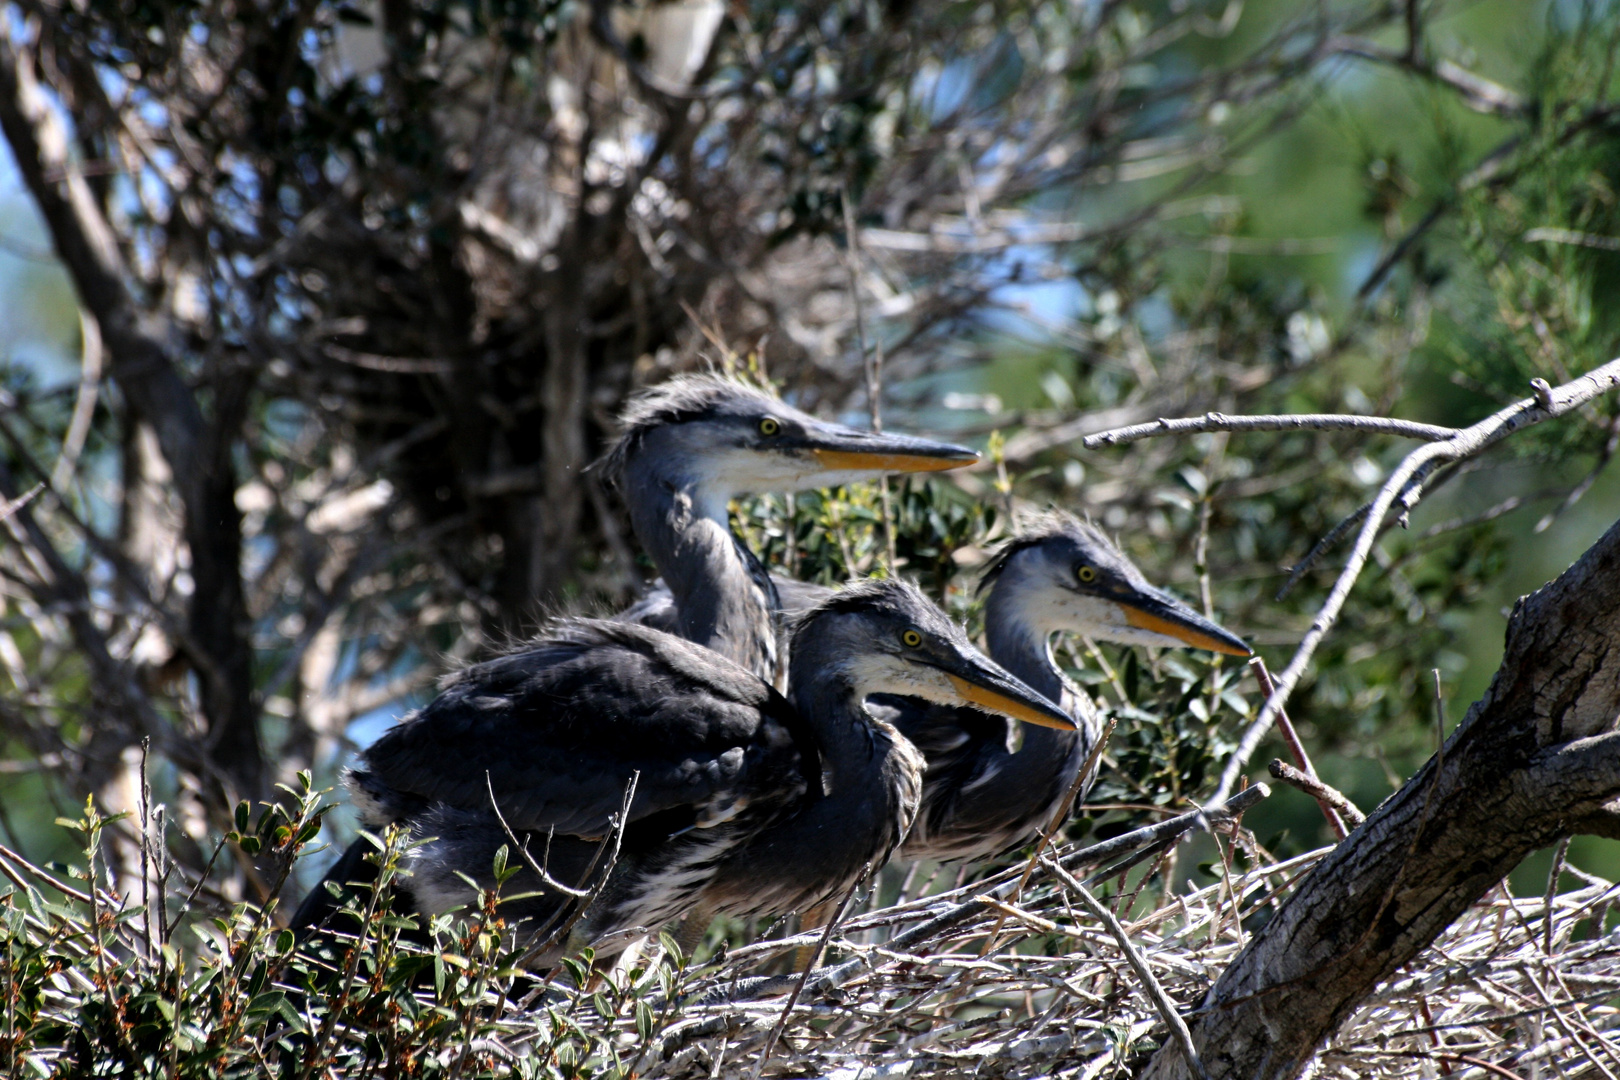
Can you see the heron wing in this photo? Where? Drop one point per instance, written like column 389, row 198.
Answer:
column 953, row 739
column 557, row 731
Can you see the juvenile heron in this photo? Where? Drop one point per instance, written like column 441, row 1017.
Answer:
column 749, row 801
column 693, row 443
column 980, row 798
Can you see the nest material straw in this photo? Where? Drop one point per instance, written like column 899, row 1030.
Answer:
column 1056, row 997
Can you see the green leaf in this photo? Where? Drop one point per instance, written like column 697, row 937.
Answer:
column 672, row 949
column 271, row 1001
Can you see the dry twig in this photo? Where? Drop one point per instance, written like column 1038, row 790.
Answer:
column 1322, row 793
column 1410, row 474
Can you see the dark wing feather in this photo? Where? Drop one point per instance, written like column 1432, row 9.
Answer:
column 979, row 797
column 965, row 812
column 560, row 728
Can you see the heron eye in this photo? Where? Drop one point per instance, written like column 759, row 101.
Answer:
column 1086, row 574
column 770, row 426
column 911, row 639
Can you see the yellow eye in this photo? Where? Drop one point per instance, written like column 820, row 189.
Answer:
column 911, row 639
column 1086, row 574
column 770, row 426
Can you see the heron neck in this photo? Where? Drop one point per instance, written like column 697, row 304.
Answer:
column 1025, row 649
column 724, row 599
column 871, row 783
column 827, row 698
column 871, row 777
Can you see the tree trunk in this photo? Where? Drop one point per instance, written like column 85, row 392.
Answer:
column 1536, row 759
column 197, row 452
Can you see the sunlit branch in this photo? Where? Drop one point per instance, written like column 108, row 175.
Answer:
column 1214, row 421
column 1547, row 404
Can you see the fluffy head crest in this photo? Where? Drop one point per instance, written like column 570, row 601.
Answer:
column 891, row 600
column 679, row 400
column 1041, row 528
column 889, row 596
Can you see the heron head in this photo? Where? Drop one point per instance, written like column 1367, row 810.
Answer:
column 1064, row 574
column 732, row 439
column 888, row 638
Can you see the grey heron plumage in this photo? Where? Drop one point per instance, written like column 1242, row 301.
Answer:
column 980, row 797
column 690, row 445
column 745, row 800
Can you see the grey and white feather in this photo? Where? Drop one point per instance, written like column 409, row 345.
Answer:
column 745, row 800
column 981, row 797
column 691, row 445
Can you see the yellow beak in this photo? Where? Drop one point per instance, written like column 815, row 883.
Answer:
column 855, row 460
column 1143, row 620
column 986, row 698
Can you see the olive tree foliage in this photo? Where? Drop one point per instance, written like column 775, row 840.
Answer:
column 362, row 287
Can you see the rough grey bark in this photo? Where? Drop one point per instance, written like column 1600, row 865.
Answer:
column 1536, row 759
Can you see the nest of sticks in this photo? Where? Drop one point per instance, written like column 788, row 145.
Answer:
column 1063, row 965
column 1013, row 976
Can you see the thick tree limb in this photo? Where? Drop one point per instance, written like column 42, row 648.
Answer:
column 1536, row 759
column 85, row 243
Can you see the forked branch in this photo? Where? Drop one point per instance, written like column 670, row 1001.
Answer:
column 1405, row 485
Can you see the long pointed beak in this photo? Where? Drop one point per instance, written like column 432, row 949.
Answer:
column 842, row 449
column 1160, row 613
column 986, row 686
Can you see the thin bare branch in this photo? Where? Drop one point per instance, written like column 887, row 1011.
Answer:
column 1330, row 808
column 1150, row 985
column 1477, row 92
column 522, row 848
column 1316, row 789
column 611, row 845
column 1215, row 421
column 11, row 506
column 1467, row 443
